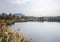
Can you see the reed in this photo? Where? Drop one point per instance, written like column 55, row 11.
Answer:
column 7, row 35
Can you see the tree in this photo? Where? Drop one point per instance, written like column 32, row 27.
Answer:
column 10, row 14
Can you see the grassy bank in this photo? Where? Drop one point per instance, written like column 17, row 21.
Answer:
column 7, row 35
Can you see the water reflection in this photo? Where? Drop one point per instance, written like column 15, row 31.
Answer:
column 40, row 32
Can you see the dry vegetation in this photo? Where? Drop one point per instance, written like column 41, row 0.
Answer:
column 7, row 35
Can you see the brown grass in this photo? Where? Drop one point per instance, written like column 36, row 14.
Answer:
column 7, row 35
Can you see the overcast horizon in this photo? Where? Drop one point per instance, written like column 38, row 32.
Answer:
column 31, row 7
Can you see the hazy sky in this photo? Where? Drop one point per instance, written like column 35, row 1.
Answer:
column 31, row 7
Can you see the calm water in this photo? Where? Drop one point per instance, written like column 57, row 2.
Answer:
column 39, row 32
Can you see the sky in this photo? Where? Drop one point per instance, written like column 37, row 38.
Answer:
column 31, row 7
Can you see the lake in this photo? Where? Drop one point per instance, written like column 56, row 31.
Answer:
column 39, row 31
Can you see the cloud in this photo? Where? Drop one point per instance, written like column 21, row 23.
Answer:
column 20, row 1
column 44, row 8
column 32, row 7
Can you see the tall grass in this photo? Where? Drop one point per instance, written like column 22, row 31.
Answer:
column 7, row 35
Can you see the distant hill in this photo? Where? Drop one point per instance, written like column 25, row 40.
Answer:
column 18, row 14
